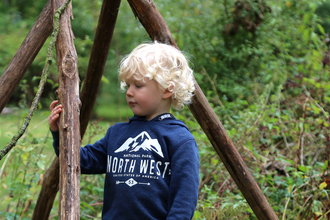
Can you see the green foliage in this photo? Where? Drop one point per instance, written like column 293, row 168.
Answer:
column 22, row 170
column 21, row 175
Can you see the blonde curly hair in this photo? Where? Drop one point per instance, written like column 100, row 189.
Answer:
column 163, row 63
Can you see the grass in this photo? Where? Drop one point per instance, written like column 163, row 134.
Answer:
column 10, row 124
column 32, row 151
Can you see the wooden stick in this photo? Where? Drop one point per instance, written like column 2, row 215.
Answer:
column 150, row 18
column 69, row 126
column 26, row 54
column 98, row 58
column 94, row 73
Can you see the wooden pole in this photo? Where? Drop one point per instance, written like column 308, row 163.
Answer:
column 26, row 54
column 98, row 58
column 69, row 127
column 92, row 80
column 150, row 18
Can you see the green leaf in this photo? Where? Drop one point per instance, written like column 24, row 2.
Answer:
column 55, row 86
column 105, row 80
column 315, row 39
column 306, row 35
column 35, row 78
column 323, row 185
column 41, row 164
column 325, row 166
column 307, row 18
column 321, row 29
column 50, row 81
column 28, row 149
column 303, row 168
column 197, row 214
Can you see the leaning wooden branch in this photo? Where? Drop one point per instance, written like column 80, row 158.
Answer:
column 44, row 75
column 157, row 29
column 98, row 58
column 26, row 53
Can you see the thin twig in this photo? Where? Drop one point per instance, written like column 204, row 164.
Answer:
column 208, row 178
column 4, row 164
column 307, row 94
column 324, row 215
column 316, row 156
column 301, row 136
column 44, row 75
column 222, row 185
column 285, row 207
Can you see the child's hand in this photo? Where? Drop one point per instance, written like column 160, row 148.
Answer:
column 54, row 115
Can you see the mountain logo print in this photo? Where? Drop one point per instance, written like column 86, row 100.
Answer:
column 143, row 142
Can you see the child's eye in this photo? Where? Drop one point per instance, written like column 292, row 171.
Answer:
column 138, row 85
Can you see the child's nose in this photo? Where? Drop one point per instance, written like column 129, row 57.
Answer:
column 129, row 92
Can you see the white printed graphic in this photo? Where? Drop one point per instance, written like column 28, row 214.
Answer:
column 131, row 182
column 141, row 142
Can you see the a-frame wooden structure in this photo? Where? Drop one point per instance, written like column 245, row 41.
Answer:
column 150, row 18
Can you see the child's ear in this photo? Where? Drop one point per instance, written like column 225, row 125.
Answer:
column 167, row 94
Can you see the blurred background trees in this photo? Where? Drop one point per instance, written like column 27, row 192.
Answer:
column 240, row 44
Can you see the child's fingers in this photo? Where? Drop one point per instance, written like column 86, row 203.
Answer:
column 53, row 115
column 57, row 109
column 55, row 112
column 53, row 104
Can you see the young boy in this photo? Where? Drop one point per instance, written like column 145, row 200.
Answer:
column 151, row 162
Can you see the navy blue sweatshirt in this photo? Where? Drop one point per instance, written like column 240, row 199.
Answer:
column 152, row 169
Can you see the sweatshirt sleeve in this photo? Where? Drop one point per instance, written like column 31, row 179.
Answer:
column 184, row 182
column 56, row 141
column 93, row 157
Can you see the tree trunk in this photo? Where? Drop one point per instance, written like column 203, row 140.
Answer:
column 157, row 29
column 92, row 81
column 26, row 54
column 69, row 127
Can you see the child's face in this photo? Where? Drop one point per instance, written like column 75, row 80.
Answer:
column 146, row 99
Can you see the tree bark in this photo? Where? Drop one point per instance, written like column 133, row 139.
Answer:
column 26, row 54
column 150, row 18
column 88, row 95
column 69, row 127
